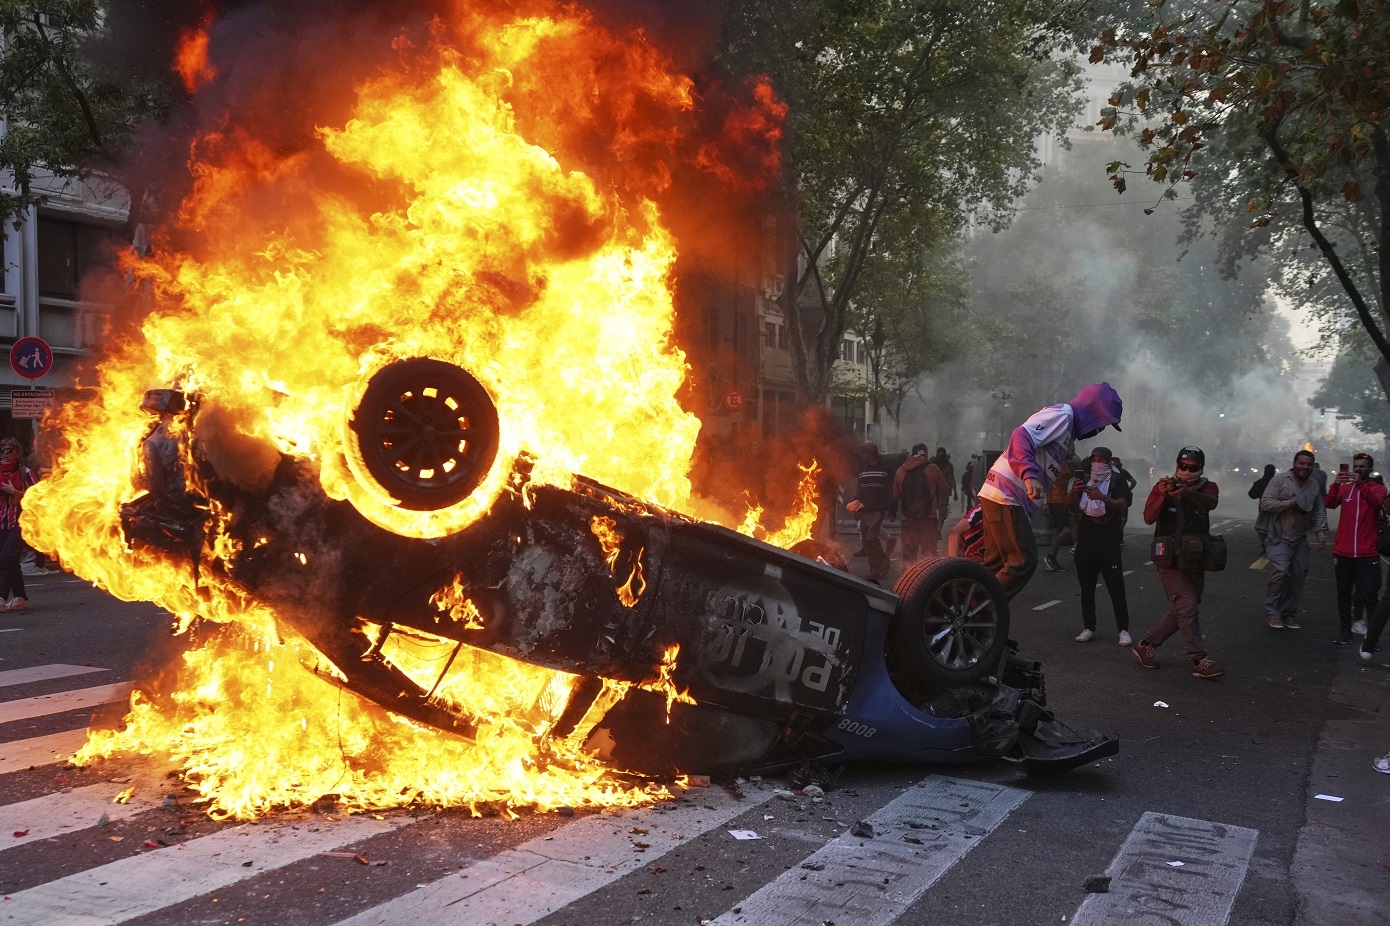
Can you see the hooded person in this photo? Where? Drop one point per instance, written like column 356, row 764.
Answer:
column 1017, row 483
column 920, row 489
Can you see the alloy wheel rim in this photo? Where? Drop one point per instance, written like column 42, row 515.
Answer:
column 960, row 623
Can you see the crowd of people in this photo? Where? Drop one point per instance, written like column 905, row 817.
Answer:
column 1087, row 503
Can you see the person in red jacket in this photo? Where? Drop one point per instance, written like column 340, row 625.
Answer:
column 1357, row 562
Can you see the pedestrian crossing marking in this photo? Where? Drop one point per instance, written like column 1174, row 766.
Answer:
column 44, row 705
column 1045, row 605
column 1144, row 883
column 141, row 884
column 32, row 674
column 40, row 750
column 1127, row 572
column 533, row 880
column 56, row 814
column 871, row 881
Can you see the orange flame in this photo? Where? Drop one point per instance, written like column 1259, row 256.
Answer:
column 610, row 542
column 459, row 213
column 191, row 57
column 665, row 684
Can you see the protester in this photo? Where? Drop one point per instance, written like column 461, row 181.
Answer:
column 1018, row 481
column 919, row 486
column 15, row 480
column 967, row 484
column 1059, row 516
column 948, row 472
column 1102, row 497
column 872, row 502
column 1258, row 488
column 1290, row 507
column 1356, row 562
column 1179, row 507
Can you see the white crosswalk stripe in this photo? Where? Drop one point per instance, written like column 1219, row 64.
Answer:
column 858, row 881
column 44, row 705
column 1176, row 870
column 70, row 811
column 539, row 877
column 28, row 676
column 40, row 750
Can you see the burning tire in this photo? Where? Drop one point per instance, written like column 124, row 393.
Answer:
column 952, row 623
column 425, row 434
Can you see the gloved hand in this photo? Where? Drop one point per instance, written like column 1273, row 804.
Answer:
column 1034, row 487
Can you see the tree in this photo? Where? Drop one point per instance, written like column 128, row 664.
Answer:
column 73, row 117
column 1272, row 110
column 906, row 119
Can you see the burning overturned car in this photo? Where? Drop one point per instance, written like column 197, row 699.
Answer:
column 697, row 648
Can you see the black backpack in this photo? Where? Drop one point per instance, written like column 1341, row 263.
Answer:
column 915, row 500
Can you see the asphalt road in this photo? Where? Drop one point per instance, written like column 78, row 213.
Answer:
column 1224, row 779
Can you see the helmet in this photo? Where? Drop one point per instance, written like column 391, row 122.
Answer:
column 1192, row 454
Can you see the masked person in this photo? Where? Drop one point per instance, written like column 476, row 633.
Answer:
column 1357, row 563
column 15, row 480
column 1017, row 483
column 1290, row 508
column 1102, row 498
column 1180, row 506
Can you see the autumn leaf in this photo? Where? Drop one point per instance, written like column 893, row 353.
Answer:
column 1097, row 54
column 1351, row 191
column 1146, row 137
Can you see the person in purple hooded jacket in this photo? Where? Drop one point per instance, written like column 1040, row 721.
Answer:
column 1018, row 481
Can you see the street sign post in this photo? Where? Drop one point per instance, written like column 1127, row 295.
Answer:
column 733, row 400
column 31, row 357
column 30, row 403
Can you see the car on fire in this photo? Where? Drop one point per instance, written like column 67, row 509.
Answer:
column 782, row 657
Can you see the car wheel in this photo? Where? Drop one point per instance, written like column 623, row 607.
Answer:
column 952, row 623
column 425, row 433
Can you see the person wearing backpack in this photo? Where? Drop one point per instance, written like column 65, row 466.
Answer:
column 919, row 486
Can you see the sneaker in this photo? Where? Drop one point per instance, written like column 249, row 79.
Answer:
column 1144, row 652
column 1382, row 764
column 1291, row 624
column 1205, row 668
column 1052, row 565
column 1125, row 639
column 17, row 604
column 1359, row 628
column 1343, row 638
column 890, row 546
column 1276, row 624
column 1365, row 654
column 1085, row 636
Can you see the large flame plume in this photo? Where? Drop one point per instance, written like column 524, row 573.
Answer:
column 459, row 213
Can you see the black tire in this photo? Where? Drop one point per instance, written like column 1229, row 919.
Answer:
column 952, row 623
column 425, row 432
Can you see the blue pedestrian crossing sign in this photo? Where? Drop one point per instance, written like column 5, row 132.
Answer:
column 31, row 357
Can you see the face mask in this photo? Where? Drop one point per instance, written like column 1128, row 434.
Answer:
column 1099, row 472
column 1187, row 476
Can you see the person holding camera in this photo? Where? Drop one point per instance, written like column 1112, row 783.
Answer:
column 1357, row 562
column 1102, row 498
column 1179, row 507
column 1291, row 506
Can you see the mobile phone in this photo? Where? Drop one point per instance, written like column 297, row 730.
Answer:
column 1344, row 467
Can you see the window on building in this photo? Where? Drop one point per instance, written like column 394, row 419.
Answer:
column 862, row 355
column 67, row 251
column 769, row 334
column 847, row 350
